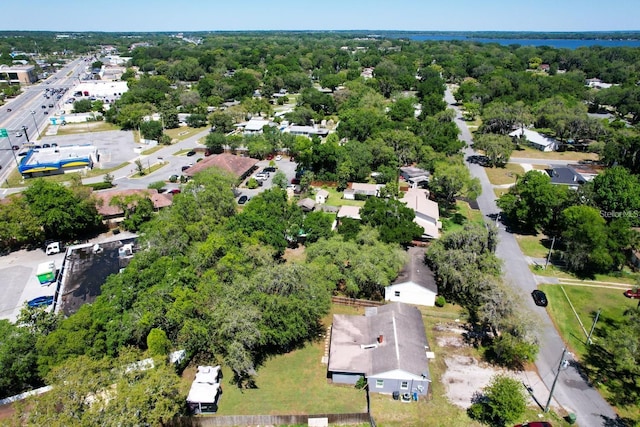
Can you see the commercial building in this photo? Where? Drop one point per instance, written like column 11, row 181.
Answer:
column 58, row 160
column 18, row 74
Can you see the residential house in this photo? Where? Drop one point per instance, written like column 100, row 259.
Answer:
column 115, row 213
column 415, row 177
column 307, row 131
column 387, row 346
column 565, row 175
column 240, row 167
column 537, row 140
column 255, row 125
column 306, row 204
column 322, row 196
column 205, row 390
column 362, row 189
column 415, row 284
column 352, row 212
column 427, row 212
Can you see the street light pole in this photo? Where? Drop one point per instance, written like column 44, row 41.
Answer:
column 33, row 116
column 13, row 151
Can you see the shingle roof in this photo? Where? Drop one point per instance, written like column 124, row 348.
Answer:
column 403, row 345
column 416, row 271
column 236, row 165
column 105, row 209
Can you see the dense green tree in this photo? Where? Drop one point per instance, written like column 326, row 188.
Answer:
column 82, row 106
column 502, row 402
column 151, row 129
column 18, row 358
column 317, row 225
column 62, row 213
column 585, row 239
column 535, row 203
column 16, row 228
column 392, row 219
column 361, row 267
column 617, row 193
column 451, row 180
column 497, row 148
column 215, row 142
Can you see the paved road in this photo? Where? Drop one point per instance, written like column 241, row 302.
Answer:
column 572, row 392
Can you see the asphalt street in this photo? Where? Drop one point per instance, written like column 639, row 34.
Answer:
column 572, row 392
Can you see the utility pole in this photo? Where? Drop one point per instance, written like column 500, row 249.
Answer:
column 26, row 134
column 553, row 242
column 593, row 326
column 555, row 380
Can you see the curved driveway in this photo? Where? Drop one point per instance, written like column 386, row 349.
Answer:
column 572, row 392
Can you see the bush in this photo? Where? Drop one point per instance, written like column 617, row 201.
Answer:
column 361, row 383
column 440, row 301
column 100, row 185
column 252, row 183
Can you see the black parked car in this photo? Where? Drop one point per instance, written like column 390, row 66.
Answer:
column 242, row 200
column 539, row 298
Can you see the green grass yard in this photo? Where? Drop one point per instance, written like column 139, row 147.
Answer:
column 505, row 175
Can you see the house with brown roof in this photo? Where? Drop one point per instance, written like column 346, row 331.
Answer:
column 415, row 284
column 387, row 346
column 238, row 166
column 113, row 212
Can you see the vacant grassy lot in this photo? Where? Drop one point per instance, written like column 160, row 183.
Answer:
column 75, row 128
column 505, row 175
column 586, row 302
column 183, row 133
column 532, row 153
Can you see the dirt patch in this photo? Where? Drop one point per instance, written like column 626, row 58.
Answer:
column 465, row 376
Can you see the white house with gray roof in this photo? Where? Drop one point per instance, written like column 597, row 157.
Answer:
column 415, row 284
column 388, row 346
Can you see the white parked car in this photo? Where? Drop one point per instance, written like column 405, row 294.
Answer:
column 278, row 157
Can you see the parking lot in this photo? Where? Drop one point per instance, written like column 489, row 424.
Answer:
column 114, row 147
column 19, row 282
column 285, row 165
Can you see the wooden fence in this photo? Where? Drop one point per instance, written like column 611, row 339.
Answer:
column 268, row 420
column 356, row 302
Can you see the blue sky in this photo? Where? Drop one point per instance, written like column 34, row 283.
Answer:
column 202, row 15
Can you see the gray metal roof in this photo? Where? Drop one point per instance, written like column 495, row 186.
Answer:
column 391, row 337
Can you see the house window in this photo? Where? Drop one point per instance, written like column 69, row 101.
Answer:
column 397, row 293
column 379, row 383
column 404, row 385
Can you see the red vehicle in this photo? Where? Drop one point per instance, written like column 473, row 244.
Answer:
column 535, row 424
column 632, row 293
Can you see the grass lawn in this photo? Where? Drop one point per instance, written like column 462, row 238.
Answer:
column 500, row 191
column 183, row 133
column 532, row 245
column 587, row 301
column 293, row 383
column 335, row 198
column 532, row 153
column 505, row 175
column 462, row 215
column 75, row 128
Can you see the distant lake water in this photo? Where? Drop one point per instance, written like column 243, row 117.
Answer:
column 556, row 43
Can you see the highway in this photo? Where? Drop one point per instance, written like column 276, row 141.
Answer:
column 27, row 111
column 572, row 391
